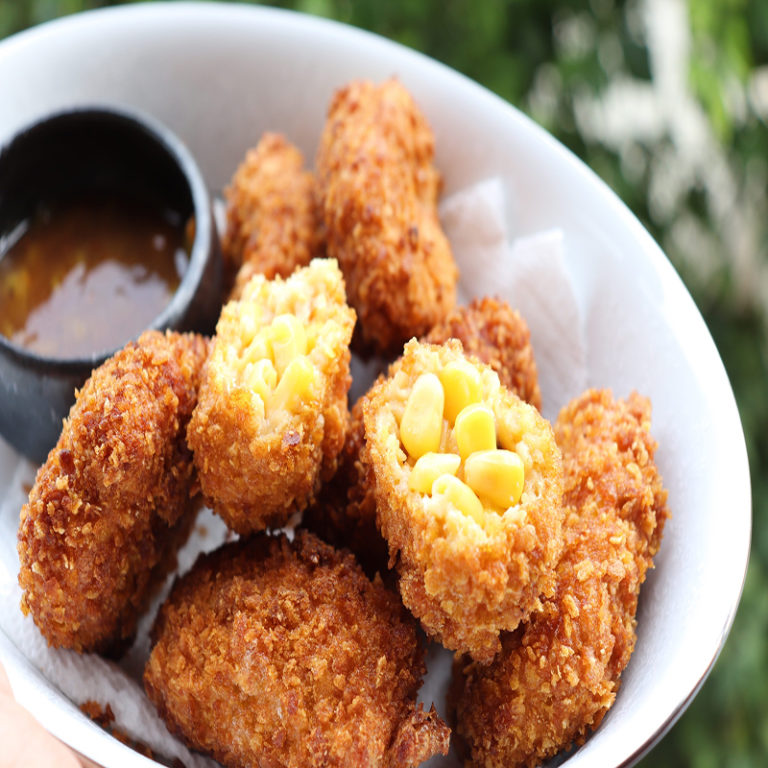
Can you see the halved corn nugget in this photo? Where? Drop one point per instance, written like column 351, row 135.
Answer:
column 488, row 329
column 475, row 541
column 272, row 413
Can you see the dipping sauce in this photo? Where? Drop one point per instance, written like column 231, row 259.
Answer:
column 85, row 276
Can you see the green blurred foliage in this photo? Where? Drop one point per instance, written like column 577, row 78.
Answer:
column 556, row 59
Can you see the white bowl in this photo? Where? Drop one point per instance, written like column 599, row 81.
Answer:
column 220, row 75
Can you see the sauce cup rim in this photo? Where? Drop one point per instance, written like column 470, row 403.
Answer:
column 159, row 133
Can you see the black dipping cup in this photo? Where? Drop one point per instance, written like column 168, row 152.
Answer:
column 95, row 150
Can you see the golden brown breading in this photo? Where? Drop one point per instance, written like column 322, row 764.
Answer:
column 345, row 514
column 272, row 411
column 465, row 575
column 558, row 675
column 270, row 652
column 496, row 334
column 273, row 221
column 114, row 500
column 379, row 195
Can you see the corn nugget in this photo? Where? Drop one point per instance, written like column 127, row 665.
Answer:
column 345, row 515
column 468, row 486
column 113, row 501
column 273, row 219
column 278, row 653
column 379, row 192
column 272, row 412
column 557, row 676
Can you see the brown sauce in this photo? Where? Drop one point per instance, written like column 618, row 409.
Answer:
column 84, row 277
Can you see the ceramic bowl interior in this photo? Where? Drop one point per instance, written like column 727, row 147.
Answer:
column 219, row 75
column 96, row 151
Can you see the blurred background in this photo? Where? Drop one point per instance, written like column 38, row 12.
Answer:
column 667, row 100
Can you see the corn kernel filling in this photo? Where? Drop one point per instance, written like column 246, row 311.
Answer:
column 276, row 364
column 462, row 386
column 422, row 423
column 429, row 467
column 482, row 475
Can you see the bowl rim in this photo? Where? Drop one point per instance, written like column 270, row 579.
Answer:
column 616, row 207
column 152, row 129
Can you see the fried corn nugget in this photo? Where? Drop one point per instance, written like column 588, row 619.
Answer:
column 490, row 330
column 270, row 652
column 345, row 514
column 557, row 676
column 273, row 221
column 379, row 199
column 468, row 486
column 272, row 411
column 113, row 501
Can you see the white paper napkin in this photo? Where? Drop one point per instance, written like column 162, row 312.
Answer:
column 531, row 274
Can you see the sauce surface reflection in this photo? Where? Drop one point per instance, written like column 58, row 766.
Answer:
column 85, row 276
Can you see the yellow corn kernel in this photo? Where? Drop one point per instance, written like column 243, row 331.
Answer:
column 288, row 339
column 475, row 430
column 497, row 476
column 257, row 405
column 462, row 385
column 460, row 495
column 248, row 325
column 422, row 422
column 258, row 347
column 261, row 377
column 429, row 467
column 295, row 384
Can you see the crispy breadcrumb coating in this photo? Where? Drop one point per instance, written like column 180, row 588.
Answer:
column 490, row 330
column 278, row 653
column 379, row 194
column 345, row 514
column 273, row 221
column 114, row 499
column 465, row 579
column 264, row 438
column 558, row 675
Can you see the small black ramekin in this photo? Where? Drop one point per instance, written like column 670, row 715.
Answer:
column 97, row 149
